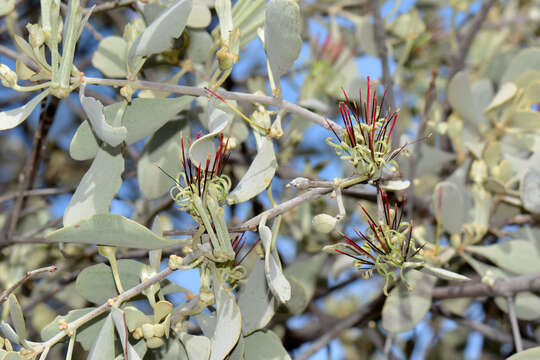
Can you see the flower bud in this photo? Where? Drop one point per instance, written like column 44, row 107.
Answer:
column 8, row 76
column 36, row 35
column 148, row 330
column 154, row 342
column 226, row 58
column 324, row 223
column 159, row 330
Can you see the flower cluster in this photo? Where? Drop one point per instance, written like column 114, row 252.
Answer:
column 366, row 142
column 201, row 182
column 386, row 245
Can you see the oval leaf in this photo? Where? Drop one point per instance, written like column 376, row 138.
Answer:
column 96, row 284
column 84, row 144
column 96, row 191
column 197, row 346
column 112, row 230
column 229, row 321
column 103, row 348
column 162, row 149
column 258, row 176
column 265, row 345
column 282, row 35
column 142, row 117
column 256, row 301
column 159, row 36
column 517, row 256
column 111, row 57
column 449, row 206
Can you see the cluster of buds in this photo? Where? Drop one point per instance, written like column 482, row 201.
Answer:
column 386, row 245
column 366, row 142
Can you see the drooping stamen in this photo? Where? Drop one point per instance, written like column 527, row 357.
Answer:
column 249, row 251
column 206, row 173
column 357, row 247
column 331, row 128
column 184, row 160
column 163, row 171
column 364, row 262
column 367, row 214
column 370, row 244
column 391, row 128
column 409, row 241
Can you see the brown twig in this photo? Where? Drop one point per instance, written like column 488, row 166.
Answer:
column 32, row 163
column 27, row 276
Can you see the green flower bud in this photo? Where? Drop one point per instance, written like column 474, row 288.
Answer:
column 8, row 76
column 324, row 223
column 226, row 58
column 36, row 35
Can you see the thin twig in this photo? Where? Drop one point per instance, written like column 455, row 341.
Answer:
column 505, row 287
column 27, row 276
column 230, row 95
column 344, row 324
column 510, row 299
column 36, row 192
column 32, row 162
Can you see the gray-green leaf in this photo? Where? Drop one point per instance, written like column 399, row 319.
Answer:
column 282, row 35
column 17, row 317
column 95, row 283
column 229, row 321
column 404, row 309
column 517, row 256
column 11, row 118
column 103, row 348
column 159, row 36
column 142, row 117
column 265, row 345
column 258, row 176
column 97, row 188
column 449, row 206
column 112, row 230
column 84, row 144
column 162, row 149
column 86, row 334
column 94, row 110
column 197, row 346
column 256, row 301
column 111, row 57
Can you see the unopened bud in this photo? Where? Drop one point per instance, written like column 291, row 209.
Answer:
column 36, row 35
column 8, row 76
column 226, row 58
column 324, row 223
column 154, row 342
column 147, row 330
column 175, row 262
